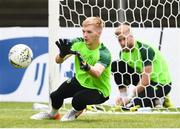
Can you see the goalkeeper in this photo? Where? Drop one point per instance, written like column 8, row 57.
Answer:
column 144, row 67
column 91, row 84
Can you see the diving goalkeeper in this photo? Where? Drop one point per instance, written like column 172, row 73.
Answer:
column 91, row 84
column 144, row 67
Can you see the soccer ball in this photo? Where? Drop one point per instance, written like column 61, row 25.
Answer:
column 20, row 56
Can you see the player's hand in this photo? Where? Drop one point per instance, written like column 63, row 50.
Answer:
column 83, row 65
column 64, row 47
column 122, row 101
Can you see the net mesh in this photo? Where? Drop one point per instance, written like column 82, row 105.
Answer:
column 138, row 13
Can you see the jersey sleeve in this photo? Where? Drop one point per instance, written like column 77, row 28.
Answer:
column 147, row 54
column 75, row 43
column 105, row 57
column 79, row 39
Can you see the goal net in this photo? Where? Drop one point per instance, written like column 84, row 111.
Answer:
column 153, row 21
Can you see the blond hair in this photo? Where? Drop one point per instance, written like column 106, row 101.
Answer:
column 123, row 30
column 96, row 21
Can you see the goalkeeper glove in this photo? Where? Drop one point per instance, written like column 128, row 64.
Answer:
column 83, row 65
column 64, row 47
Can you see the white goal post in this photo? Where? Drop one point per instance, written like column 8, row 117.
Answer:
column 155, row 21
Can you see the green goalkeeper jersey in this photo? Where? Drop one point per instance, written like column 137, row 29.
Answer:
column 143, row 55
column 99, row 55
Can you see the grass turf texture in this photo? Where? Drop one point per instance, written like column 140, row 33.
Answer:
column 17, row 115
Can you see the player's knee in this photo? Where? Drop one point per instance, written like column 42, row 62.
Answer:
column 56, row 100
column 138, row 101
column 78, row 103
column 143, row 102
column 53, row 96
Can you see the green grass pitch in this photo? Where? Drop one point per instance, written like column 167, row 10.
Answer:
column 17, row 115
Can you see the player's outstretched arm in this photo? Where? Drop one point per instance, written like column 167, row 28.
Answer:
column 144, row 81
column 64, row 50
column 95, row 70
column 64, row 47
column 60, row 60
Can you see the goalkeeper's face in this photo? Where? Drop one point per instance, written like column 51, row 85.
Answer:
column 125, row 37
column 91, row 34
column 126, row 42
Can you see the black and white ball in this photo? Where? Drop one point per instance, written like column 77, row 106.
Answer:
column 20, row 56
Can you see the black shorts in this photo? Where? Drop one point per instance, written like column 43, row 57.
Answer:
column 81, row 96
column 124, row 75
